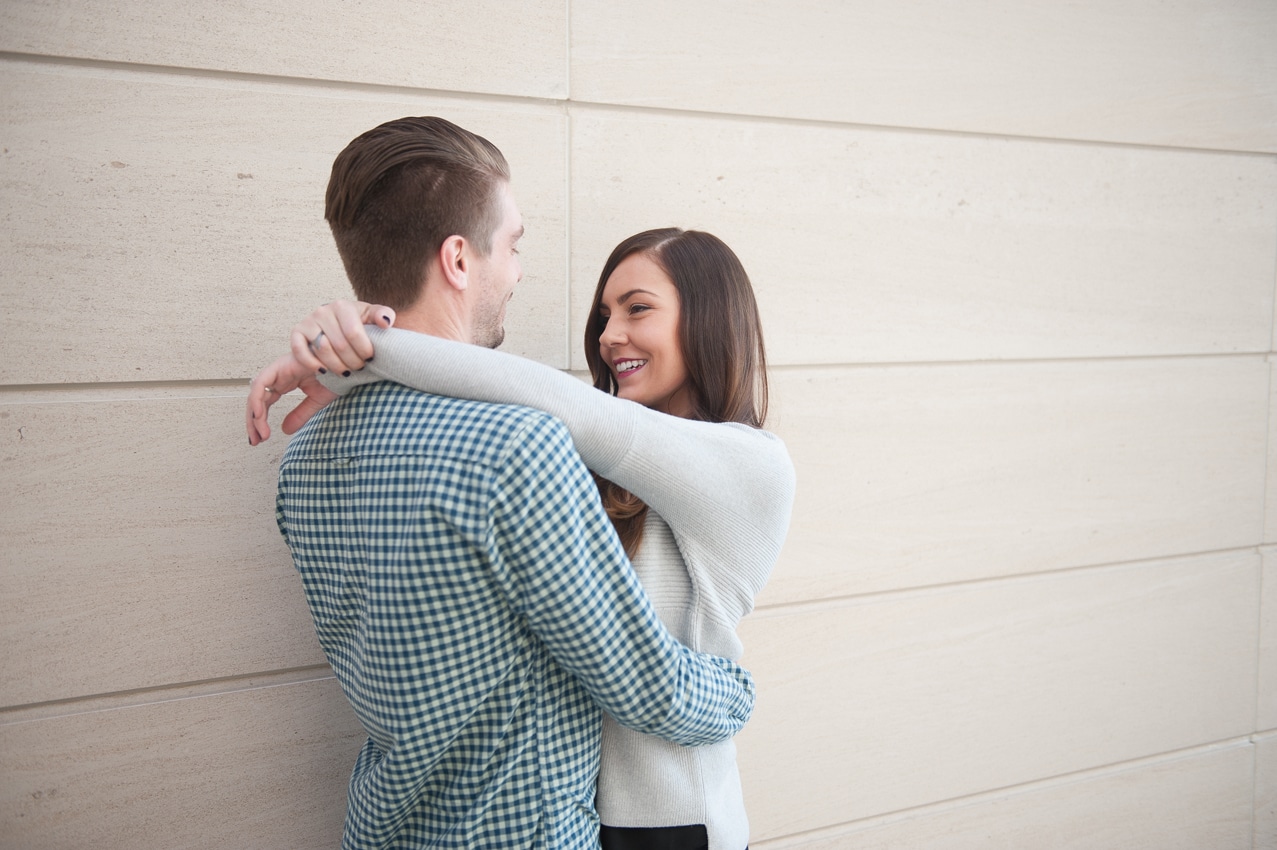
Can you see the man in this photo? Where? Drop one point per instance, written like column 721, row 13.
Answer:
column 466, row 585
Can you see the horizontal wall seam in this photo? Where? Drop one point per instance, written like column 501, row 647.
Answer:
column 1034, row 786
column 173, row 692
column 399, row 91
column 785, row 121
column 1023, row 361
column 784, row 609
column 122, row 391
column 268, row 82
column 216, row 387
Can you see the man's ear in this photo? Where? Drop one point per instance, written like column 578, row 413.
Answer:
column 454, row 261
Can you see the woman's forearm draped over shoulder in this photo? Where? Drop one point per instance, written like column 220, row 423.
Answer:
column 719, row 481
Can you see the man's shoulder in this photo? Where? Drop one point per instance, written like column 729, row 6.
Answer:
column 409, row 407
column 386, row 417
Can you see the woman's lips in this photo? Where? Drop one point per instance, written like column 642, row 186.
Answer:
column 627, row 366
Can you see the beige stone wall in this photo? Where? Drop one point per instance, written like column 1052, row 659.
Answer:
column 1017, row 267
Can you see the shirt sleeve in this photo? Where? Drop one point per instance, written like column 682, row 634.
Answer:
column 728, row 486
column 555, row 553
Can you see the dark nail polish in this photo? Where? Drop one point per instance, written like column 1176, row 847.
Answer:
column 369, row 360
column 346, row 374
column 387, row 318
column 323, row 371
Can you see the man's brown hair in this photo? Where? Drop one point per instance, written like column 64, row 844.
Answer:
column 399, row 190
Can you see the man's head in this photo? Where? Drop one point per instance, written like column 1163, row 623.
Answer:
column 400, row 191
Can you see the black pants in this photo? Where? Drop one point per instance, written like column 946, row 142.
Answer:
column 654, row 838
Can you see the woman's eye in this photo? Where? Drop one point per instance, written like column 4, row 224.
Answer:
column 638, row 308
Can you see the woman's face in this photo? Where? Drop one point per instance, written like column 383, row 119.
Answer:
column 639, row 343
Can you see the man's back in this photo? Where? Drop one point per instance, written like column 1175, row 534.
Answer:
column 472, row 598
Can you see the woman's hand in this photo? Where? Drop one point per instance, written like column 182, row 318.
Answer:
column 283, row 376
column 333, row 337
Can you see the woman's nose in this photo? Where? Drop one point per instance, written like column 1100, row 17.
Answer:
column 612, row 333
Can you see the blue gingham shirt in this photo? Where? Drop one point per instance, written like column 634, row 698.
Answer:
column 477, row 608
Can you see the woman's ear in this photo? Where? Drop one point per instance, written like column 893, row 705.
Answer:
column 454, row 261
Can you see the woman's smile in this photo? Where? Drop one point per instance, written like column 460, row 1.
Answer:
column 625, row 368
column 640, row 339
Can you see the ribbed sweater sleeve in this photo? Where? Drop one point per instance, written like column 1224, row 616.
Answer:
column 723, row 488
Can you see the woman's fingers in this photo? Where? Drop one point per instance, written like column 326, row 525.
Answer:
column 333, row 338
column 299, row 342
column 261, row 395
column 319, row 341
column 314, row 402
column 266, row 388
column 379, row 315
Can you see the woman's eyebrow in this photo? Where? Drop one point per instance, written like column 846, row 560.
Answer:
column 628, row 295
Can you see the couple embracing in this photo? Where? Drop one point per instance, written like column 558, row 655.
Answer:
column 528, row 587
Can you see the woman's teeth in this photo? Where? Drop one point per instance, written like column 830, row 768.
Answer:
column 628, row 366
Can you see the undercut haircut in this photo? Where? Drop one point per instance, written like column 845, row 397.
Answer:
column 399, row 190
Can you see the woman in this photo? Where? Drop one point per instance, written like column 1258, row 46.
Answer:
column 699, row 494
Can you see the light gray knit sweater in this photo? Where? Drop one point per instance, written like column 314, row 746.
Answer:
column 720, row 496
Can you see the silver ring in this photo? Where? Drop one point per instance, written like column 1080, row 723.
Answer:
column 314, row 343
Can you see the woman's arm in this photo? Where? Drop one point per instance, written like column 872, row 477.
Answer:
column 600, row 431
column 332, row 337
column 705, row 478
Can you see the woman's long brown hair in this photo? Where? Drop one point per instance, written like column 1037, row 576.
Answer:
column 719, row 333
